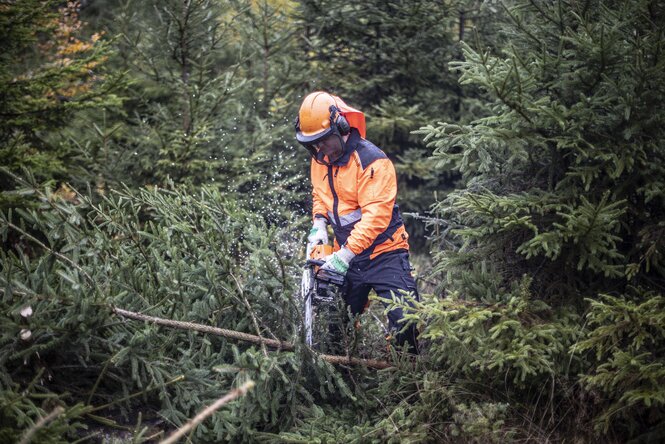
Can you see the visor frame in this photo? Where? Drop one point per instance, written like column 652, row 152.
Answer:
column 305, row 139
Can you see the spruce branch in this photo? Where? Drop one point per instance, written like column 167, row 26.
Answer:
column 429, row 219
column 175, row 380
column 53, row 252
column 250, row 310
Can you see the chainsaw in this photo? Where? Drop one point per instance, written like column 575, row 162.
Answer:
column 320, row 290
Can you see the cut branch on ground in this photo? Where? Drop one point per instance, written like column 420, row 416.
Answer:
column 259, row 340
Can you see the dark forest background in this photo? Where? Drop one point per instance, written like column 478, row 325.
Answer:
column 148, row 162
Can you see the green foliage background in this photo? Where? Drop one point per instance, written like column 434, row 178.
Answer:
column 148, row 163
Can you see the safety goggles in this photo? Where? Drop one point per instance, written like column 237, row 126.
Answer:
column 322, row 142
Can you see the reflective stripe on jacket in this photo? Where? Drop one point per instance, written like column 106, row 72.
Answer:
column 356, row 194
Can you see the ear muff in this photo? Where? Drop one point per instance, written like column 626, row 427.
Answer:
column 339, row 121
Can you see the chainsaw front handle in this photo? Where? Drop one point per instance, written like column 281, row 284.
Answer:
column 317, row 262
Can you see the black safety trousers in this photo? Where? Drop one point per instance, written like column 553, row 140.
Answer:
column 389, row 274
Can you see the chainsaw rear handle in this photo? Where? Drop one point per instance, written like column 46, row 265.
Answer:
column 317, row 262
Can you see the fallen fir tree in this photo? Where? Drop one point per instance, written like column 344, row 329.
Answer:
column 179, row 255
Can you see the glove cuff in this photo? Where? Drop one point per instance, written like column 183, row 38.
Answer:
column 319, row 224
column 346, row 254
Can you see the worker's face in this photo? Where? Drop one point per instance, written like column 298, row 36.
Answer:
column 331, row 146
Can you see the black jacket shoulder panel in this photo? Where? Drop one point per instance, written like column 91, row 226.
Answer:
column 368, row 153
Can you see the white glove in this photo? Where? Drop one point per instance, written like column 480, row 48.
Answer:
column 318, row 233
column 339, row 261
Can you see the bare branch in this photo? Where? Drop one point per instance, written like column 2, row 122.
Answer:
column 232, row 334
column 212, row 408
column 40, row 424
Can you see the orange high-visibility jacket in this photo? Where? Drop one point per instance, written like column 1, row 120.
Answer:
column 356, row 194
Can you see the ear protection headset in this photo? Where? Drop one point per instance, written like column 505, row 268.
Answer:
column 337, row 120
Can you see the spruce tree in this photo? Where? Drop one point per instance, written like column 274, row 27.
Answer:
column 213, row 98
column 50, row 70
column 555, row 236
column 274, row 166
column 185, row 71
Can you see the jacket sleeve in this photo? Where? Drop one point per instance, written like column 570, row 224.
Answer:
column 377, row 189
column 318, row 209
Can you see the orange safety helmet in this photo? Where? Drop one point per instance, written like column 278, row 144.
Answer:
column 322, row 114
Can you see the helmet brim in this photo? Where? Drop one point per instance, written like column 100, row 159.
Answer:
column 309, row 139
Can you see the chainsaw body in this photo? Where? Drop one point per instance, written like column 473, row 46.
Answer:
column 320, row 289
